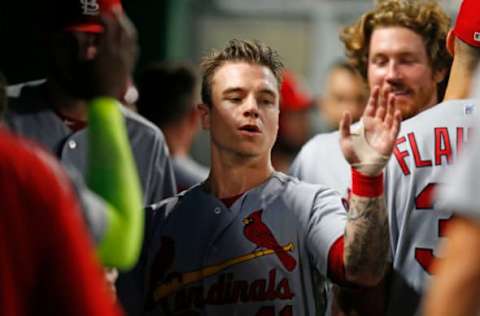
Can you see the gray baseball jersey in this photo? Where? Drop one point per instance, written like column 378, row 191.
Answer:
column 188, row 172
column 31, row 116
column 254, row 258
column 462, row 183
column 321, row 161
column 426, row 146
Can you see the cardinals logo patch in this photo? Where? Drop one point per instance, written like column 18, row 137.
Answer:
column 260, row 234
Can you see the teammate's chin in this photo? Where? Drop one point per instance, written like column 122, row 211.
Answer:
column 407, row 106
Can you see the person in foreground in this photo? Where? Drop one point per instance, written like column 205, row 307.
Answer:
column 51, row 268
column 245, row 241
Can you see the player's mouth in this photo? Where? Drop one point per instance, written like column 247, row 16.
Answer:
column 401, row 92
column 250, row 129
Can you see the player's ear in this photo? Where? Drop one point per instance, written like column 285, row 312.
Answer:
column 440, row 75
column 204, row 111
column 450, row 42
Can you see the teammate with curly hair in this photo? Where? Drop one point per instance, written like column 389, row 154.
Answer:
column 398, row 46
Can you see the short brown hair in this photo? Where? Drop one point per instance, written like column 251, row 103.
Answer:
column 424, row 17
column 253, row 52
column 167, row 92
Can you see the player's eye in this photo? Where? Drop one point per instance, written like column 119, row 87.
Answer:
column 379, row 61
column 407, row 60
column 266, row 101
column 234, row 98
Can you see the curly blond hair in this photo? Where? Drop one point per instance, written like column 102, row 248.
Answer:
column 424, row 17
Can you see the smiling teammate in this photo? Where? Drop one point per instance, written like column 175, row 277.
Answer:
column 399, row 46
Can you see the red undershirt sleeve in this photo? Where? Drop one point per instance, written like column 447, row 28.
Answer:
column 336, row 265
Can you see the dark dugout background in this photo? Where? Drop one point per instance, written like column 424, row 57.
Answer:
column 22, row 56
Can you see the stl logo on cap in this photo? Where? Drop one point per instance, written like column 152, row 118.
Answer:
column 476, row 36
column 90, row 7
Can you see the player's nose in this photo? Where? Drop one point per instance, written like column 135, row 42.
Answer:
column 250, row 107
column 393, row 73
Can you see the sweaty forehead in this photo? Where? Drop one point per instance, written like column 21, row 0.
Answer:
column 245, row 76
column 396, row 40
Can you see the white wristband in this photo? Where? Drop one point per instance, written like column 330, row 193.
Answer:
column 371, row 163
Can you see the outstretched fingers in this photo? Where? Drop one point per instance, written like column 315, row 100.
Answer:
column 382, row 104
column 390, row 111
column 371, row 107
column 344, row 126
column 395, row 128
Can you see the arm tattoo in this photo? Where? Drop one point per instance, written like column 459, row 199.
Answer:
column 366, row 239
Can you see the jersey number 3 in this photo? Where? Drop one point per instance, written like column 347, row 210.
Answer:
column 424, row 201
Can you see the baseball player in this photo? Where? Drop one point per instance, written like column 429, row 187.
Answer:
column 345, row 90
column 168, row 97
column 294, row 124
column 415, row 80
column 457, row 271
column 54, row 112
column 113, row 210
column 48, row 264
column 111, row 172
column 246, row 241
column 427, row 145
column 402, row 52
column 455, row 288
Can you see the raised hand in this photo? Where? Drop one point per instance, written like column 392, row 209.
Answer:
column 117, row 51
column 369, row 148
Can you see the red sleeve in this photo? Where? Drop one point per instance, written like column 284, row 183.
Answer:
column 336, row 266
column 72, row 277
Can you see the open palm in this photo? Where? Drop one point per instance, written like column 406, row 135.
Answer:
column 381, row 122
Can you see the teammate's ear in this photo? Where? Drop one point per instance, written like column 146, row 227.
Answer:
column 440, row 75
column 204, row 111
column 450, row 42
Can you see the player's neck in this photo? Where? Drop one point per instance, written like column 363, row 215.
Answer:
column 459, row 81
column 179, row 138
column 67, row 105
column 231, row 175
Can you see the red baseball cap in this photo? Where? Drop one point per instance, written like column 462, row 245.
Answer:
column 76, row 15
column 467, row 26
column 291, row 98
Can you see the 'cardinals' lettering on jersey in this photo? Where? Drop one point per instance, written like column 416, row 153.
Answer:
column 255, row 258
column 425, row 149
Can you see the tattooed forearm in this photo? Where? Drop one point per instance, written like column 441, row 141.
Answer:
column 366, row 240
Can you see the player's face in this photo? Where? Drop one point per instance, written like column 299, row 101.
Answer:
column 398, row 60
column 243, row 118
column 70, row 54
column 345, row 92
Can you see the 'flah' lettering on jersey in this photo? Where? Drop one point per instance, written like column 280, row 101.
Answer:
column 186, row 293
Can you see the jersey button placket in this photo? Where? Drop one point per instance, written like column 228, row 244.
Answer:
column 72, row 144
column 217, row 210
